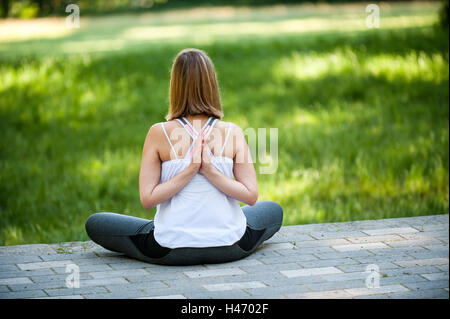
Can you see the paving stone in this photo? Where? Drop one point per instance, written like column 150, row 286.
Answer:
column 434, row 227
column 324, row 242
column 427, row 284
column 286, row 289
column 270, row 268
column 379, row 260
column 182, row 290
column 423, row 262
column 420, row 294
column 44, row 264
column 26, row 273
column 4, row 289
column 23, row 294
column 75, row 291
column 293, row 281
column 38, row 286
column 336, row 234
column 128, row 265
column 103, row 282
column 118, row 273
column 159, row 269
column 290, row 258
column 400, row 279
column 54, row 278
column 118, row 287
column 375, row 239
column 234, row 285
column 225, row 294
column 428, row 234
column 362, row 267
column 24, row 251
column 426, row 254
column 398, row 251
column 15, row 281
column 277, row 238
column 336, row 285
column 19, row 259
column 413, row 242
column 305, row 261
column 442, row 267
column 214, row 272
column 165, row 297
column 344, row 254
column 242, row 262
column 352, row 247
column 310, row 272
column 8, row 267
column 279, row 246
column 270, row 276
column 330, row 294
column 155, row 277
column 85, row 268
column 411, row 270
column 373, row 291
column 436, row 276
column 126, row 294
column 346, row 276
column 63, row 297
column 67, row 256
column 327, row 262
column 389, row 231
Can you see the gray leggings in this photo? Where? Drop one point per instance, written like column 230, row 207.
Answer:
column 115, row 232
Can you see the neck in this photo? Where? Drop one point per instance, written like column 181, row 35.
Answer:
column 197, row 121
column 200, row 117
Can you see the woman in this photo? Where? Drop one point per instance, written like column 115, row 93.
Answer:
column 195, row 168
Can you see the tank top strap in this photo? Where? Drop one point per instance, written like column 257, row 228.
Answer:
column 208, row 131
column 193, row 132
column 168, row 139
column 226, row 139
column 209, row 126
column 187, row 127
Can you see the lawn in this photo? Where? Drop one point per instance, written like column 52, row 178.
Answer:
column 362, row 114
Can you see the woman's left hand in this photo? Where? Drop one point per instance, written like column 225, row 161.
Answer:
column 206, row 166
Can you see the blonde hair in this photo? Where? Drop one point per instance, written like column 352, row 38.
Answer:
column 193, row 86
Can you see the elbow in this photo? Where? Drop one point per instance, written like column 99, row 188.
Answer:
column 253, row 198
column 146, row 203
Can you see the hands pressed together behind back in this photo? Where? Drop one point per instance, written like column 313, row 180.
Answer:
column 201, row 158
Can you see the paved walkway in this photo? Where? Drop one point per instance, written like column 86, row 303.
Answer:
column 408, row 257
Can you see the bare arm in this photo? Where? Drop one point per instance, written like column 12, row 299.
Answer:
column 150, row 189
column 245, row 186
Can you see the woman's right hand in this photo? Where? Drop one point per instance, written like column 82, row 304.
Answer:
column 197, row 154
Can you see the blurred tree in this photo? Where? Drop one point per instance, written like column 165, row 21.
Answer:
column 444, row 14
column 57, row 7
column 5, row 8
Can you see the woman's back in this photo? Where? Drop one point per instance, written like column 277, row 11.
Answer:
column 195, row 180
column 199, row 215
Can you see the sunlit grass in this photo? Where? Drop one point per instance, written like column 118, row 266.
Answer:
column 362, row 115
column 199, row 27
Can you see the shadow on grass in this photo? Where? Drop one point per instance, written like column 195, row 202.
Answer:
column 74, row 128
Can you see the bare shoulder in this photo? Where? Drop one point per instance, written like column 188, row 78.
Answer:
column 235, row 129
column 154, row 136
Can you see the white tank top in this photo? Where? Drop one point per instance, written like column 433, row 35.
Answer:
column 200, row 215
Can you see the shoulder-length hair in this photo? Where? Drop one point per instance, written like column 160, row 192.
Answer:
column 193, row 86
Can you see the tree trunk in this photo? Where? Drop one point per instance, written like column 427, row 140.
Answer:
column 5, row 8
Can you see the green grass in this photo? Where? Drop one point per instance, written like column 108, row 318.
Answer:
column 362, row 115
